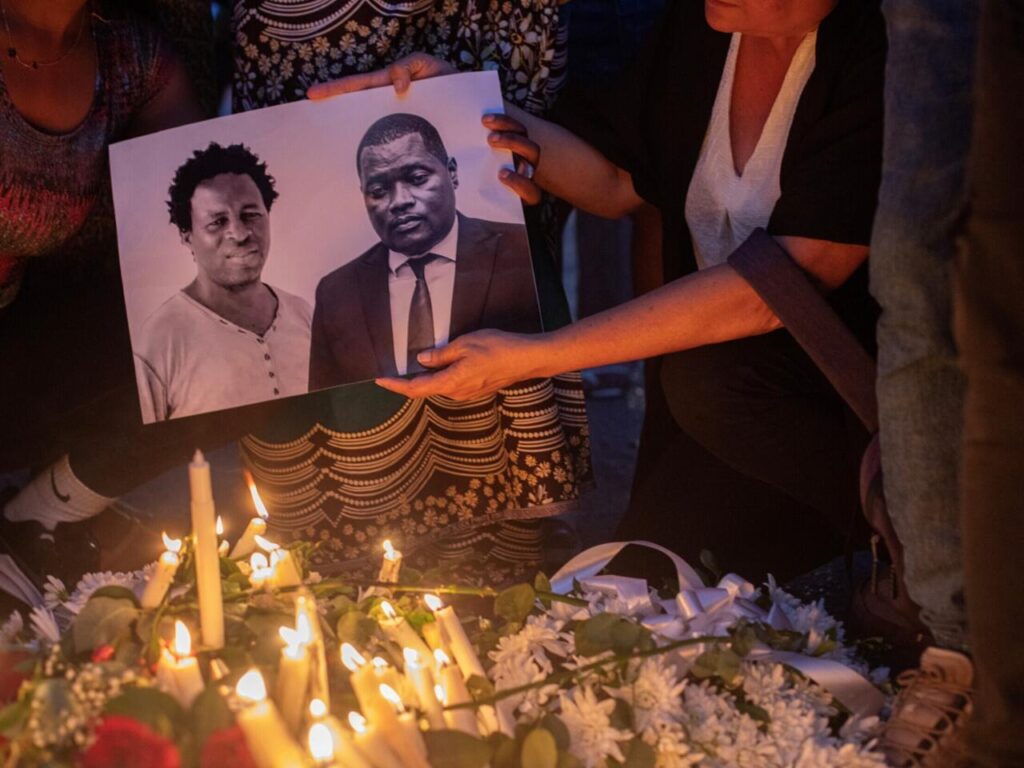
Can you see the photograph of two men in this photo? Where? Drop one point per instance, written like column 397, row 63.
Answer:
column 287, row 250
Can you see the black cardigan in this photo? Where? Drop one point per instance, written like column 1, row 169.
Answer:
column 652, row 123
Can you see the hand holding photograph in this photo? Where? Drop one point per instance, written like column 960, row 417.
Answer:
column 392, row 235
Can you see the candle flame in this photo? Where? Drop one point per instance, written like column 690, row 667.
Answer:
column 412, row 656
column 297, row 638
column 251, row 686
column 257, row 502
column 388, row 609
column 219, row 528
column 321, row 743
column 317, row 708
column 357, row 721
column 391, row 695
column 171, row 545
column 351, row 658
column 439, row 693
column 379, row 664
column 433, row 602
column 265, row 544
column 390, row 553
column 258, row 562
column 182, row 640
column 441, row 658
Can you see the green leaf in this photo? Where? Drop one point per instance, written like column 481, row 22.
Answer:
column 479, row 687
column 541, row 583
column 148, row 705
column 356, row 628
column 754, row 711
column 718, row 661
column 455, row 749
column 103, row 620
column 505, row 751
column 744, row 637
column 554, row 724
column 639, row 754
column 539, row 750
column 209, row 713
column 117, row 593
column 515, row 603
column 606, row 632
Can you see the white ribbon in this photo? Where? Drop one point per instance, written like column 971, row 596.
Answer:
column 710, row 611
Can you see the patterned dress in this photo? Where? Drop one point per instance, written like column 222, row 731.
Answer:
column 452, row 484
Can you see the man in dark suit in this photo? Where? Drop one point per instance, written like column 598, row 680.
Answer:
column 434, row 275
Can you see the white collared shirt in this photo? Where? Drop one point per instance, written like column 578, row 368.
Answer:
column 440, row 277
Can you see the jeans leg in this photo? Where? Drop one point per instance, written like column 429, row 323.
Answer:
column 928, row 79
column 989, row 314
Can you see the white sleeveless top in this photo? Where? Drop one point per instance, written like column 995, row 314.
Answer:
column 722, row 208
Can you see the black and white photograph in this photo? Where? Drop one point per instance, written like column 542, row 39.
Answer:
column 305, row 246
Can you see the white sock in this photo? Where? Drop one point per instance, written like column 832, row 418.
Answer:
column 55, row 496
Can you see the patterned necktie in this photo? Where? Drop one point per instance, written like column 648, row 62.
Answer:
column 421, row 315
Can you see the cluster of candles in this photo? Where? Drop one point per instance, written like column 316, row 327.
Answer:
column 387, row 731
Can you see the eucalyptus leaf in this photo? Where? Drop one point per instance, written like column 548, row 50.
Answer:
column 515, row 603
column 455, row 749
column 505, row 751
column 539, row 750
column 541, row 583
column 150, row 706
column 103, row 620
column 744, row 637
column 117, row 592
column 479, row 687
column 356, row 628
column 718, row 661
column 606, row 632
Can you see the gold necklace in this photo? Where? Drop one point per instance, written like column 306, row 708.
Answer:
column 12, row 52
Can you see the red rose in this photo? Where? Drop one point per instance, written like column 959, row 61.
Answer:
column 11, row 676
column 103, row 653
column 125, row 743
column 226, row 747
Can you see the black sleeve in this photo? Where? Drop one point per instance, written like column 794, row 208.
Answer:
column 831, row 173
column 323, row 370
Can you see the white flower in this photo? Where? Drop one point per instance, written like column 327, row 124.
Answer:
column 54, row 593
column 671, row 749
column 655, row 695
column 11, row 628
column 591, row 736
column 44, row 624
column 93, row 581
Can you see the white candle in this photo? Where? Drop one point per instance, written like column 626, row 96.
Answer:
column 178, row 673
column 208, row 585
column 222, row 544
column 293, row 673
column 371, row 744
column 405, row 738
column 285, row 571
column 391, row 564
column 257, row 526
column 344, row 751
column 422, row 682
column 399, row 631
column 454, row 637
column 260, row 573
column 319, row 686
column 365, row 680
column 270, row 743
column 163, row 574
column 455, row 692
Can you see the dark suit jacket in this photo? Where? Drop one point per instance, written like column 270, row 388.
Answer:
column 494, row 288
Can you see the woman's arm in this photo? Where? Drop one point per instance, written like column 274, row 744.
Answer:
column 706, row 307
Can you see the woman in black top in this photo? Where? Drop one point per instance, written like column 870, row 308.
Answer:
column 750, row 406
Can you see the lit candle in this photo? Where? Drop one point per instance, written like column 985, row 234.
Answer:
column 455, row 692
column 422, row 682
column 391, row 564
column 222, row 547
column 407, row 741
column 178, row 673
column 371, row 744
column 163, row 574
column 257, row 526
column 321, row 745
column 285, row 572
column 345, row 753
column 270, row 743
column 399, row 631
column 260, row 572
column 454, row 637
column 293, row 673
column 208, row 585
column 365, row 679
column 318, row 682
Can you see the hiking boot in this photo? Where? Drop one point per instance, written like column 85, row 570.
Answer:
column 926, row 724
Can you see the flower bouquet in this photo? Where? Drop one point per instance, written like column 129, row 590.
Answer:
column 291, row 669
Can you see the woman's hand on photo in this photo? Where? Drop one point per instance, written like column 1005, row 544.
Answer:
column 473, row 366
column 416, row 66
column 508, row 133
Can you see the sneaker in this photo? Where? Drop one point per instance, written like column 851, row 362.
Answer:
column 926, row 724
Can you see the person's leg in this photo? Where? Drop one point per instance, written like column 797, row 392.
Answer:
column 927, row 129
column 990, row 332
